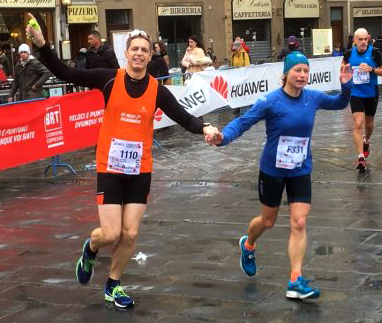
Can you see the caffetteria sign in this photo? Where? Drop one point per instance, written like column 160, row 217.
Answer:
column 251, row 9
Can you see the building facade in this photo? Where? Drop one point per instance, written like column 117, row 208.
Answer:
column 173, row 22
column 263, row 24
column 346, row 16
column 14, row 18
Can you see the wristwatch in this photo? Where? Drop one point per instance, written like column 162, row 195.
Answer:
column 206, row 124
column 372, row 69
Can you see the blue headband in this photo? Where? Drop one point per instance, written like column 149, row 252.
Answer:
column 293, row 59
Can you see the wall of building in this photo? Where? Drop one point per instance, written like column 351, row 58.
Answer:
column 144, row 16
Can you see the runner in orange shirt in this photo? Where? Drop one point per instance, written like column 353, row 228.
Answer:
column 124, row 159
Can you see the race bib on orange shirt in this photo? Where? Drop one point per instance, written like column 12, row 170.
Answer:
column 125, row 156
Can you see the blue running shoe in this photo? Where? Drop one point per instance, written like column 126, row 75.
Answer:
column 85, row 266
column 300, row 289
column 118, row 296
column 247, row 259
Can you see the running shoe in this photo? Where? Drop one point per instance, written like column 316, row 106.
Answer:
column 361, row 164
column 85, row 266
column 247, row 259
column 117, row 295
column 366, row 149
column 300, row 289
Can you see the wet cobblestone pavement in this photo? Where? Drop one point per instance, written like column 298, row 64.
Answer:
column 202, row 200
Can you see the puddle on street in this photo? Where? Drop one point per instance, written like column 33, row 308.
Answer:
column 328, row 250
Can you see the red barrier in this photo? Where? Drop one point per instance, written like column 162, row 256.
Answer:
column 38, row 129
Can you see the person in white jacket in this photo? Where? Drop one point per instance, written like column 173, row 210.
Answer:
column 195, row 58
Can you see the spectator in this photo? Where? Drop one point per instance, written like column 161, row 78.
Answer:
column 157, row 66
column 99, row 55
column 5, row 65
column 240, row 56
column 337, row 51
column 370, row 41
column 211, row 54
column 30, row 76
column 80, row 61
column 350, row 42
column 293, row 46
column 160, row 47
column 243, row 44
column 195, row 59
column 378, row 43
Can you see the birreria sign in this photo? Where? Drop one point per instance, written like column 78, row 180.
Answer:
column 210, row 90
column 251, row 9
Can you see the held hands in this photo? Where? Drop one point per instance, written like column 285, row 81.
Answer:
column 34, row 31
column 346, row 73
column 212, row 135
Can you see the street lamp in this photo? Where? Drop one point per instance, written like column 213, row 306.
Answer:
column 65, row 44
column 254, row 37
column 302, row 34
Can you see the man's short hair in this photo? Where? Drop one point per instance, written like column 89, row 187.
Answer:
column 95, row 33
column 136, row 33
column 360, row 31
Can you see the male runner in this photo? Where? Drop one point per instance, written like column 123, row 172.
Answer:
column 124, row 159
column 366, row 62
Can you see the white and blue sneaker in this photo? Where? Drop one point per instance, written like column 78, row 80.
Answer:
column 247, row 259
column 300, row 289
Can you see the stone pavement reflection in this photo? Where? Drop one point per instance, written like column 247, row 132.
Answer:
column 202, row 200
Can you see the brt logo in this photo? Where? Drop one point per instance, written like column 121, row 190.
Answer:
column 53, row 120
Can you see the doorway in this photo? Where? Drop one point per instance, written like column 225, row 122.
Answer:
column 175, row 30
column 78, row 37
column 337, row 25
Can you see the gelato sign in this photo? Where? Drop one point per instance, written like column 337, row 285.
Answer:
column 251, row 9
column 367, row 12
column 180, row 11
column 27, row 3
column 301, row 9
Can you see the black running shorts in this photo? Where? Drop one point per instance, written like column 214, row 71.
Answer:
column 123, row 189
column 299, row 189
column 366, row 105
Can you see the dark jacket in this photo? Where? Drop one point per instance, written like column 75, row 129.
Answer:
column 32, row 73
column 157, row 67
column 104, row 57
column 287, row 51
column 80, row 61
column 378, row 44
column 5, row 65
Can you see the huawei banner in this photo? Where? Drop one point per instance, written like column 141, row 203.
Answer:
column 209, row 90
column 38, row 129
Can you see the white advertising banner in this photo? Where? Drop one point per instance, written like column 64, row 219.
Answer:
column 198, row 98
column 210, row 90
